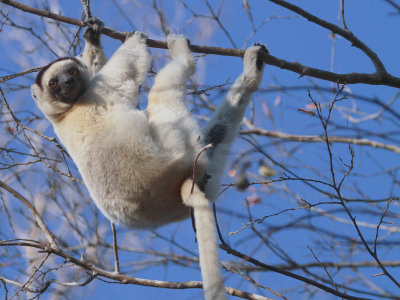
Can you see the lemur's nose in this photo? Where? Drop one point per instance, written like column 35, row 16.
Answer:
column 69, row 81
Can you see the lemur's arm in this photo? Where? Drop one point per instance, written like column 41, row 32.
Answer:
column 222, row 128
column 119, row 79
column 93, row 54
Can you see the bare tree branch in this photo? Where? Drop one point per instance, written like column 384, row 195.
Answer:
column 9, row 77
column 348, row 35
column 340, row 201
column 320, row 139
column 236, row 253
column 96, row 271
column 380, row 77
column 34, row 212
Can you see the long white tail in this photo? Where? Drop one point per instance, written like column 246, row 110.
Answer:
column 213, row 283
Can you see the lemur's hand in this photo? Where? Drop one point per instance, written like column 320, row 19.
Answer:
column 140, row 37
column 253, row 67
column 93, row 30
column 262, row 48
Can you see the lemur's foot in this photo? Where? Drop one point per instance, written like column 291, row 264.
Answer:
column 178, row 45
column 93, row 30
column 262, row 48
column 251, row 61
column 179, row 49
column 253, row 67
column 137, row 36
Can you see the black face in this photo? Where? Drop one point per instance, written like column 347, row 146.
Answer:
column 67, row 85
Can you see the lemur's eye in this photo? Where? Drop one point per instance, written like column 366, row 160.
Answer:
column 73, row 72
column 53, row 83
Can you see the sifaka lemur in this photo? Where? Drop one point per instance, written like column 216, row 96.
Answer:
column 138, row 165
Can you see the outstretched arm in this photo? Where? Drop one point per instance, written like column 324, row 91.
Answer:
column 222, row 128
column 119, row 79
column 93, row 54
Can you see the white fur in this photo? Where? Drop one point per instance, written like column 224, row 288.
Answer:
column 229, row 115
column 154, row 154
column 213, row 283
column 93, row 56
column 138, row 166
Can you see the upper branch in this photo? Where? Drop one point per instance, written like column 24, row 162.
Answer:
column 347, row 34
column 380, row 77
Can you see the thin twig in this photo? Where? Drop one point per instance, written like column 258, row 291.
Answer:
column 326, row 271
column 216, row 19
column 115, row 248
column 122, row 12
column 195, row 164
column 379, row 225
column 86, row 8
column 342, row 14
column 35, row 213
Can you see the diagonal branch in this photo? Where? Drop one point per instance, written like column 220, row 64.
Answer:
column 347, row 34
column 34, row 212
column 258, row 263
column 124, row 279
column 380, row 77
column 320, row 139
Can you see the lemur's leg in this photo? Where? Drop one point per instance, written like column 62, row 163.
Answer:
column 168, row 91
column 223, row 127
column 125, row 71
column 172, row 123
column 93, row 54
